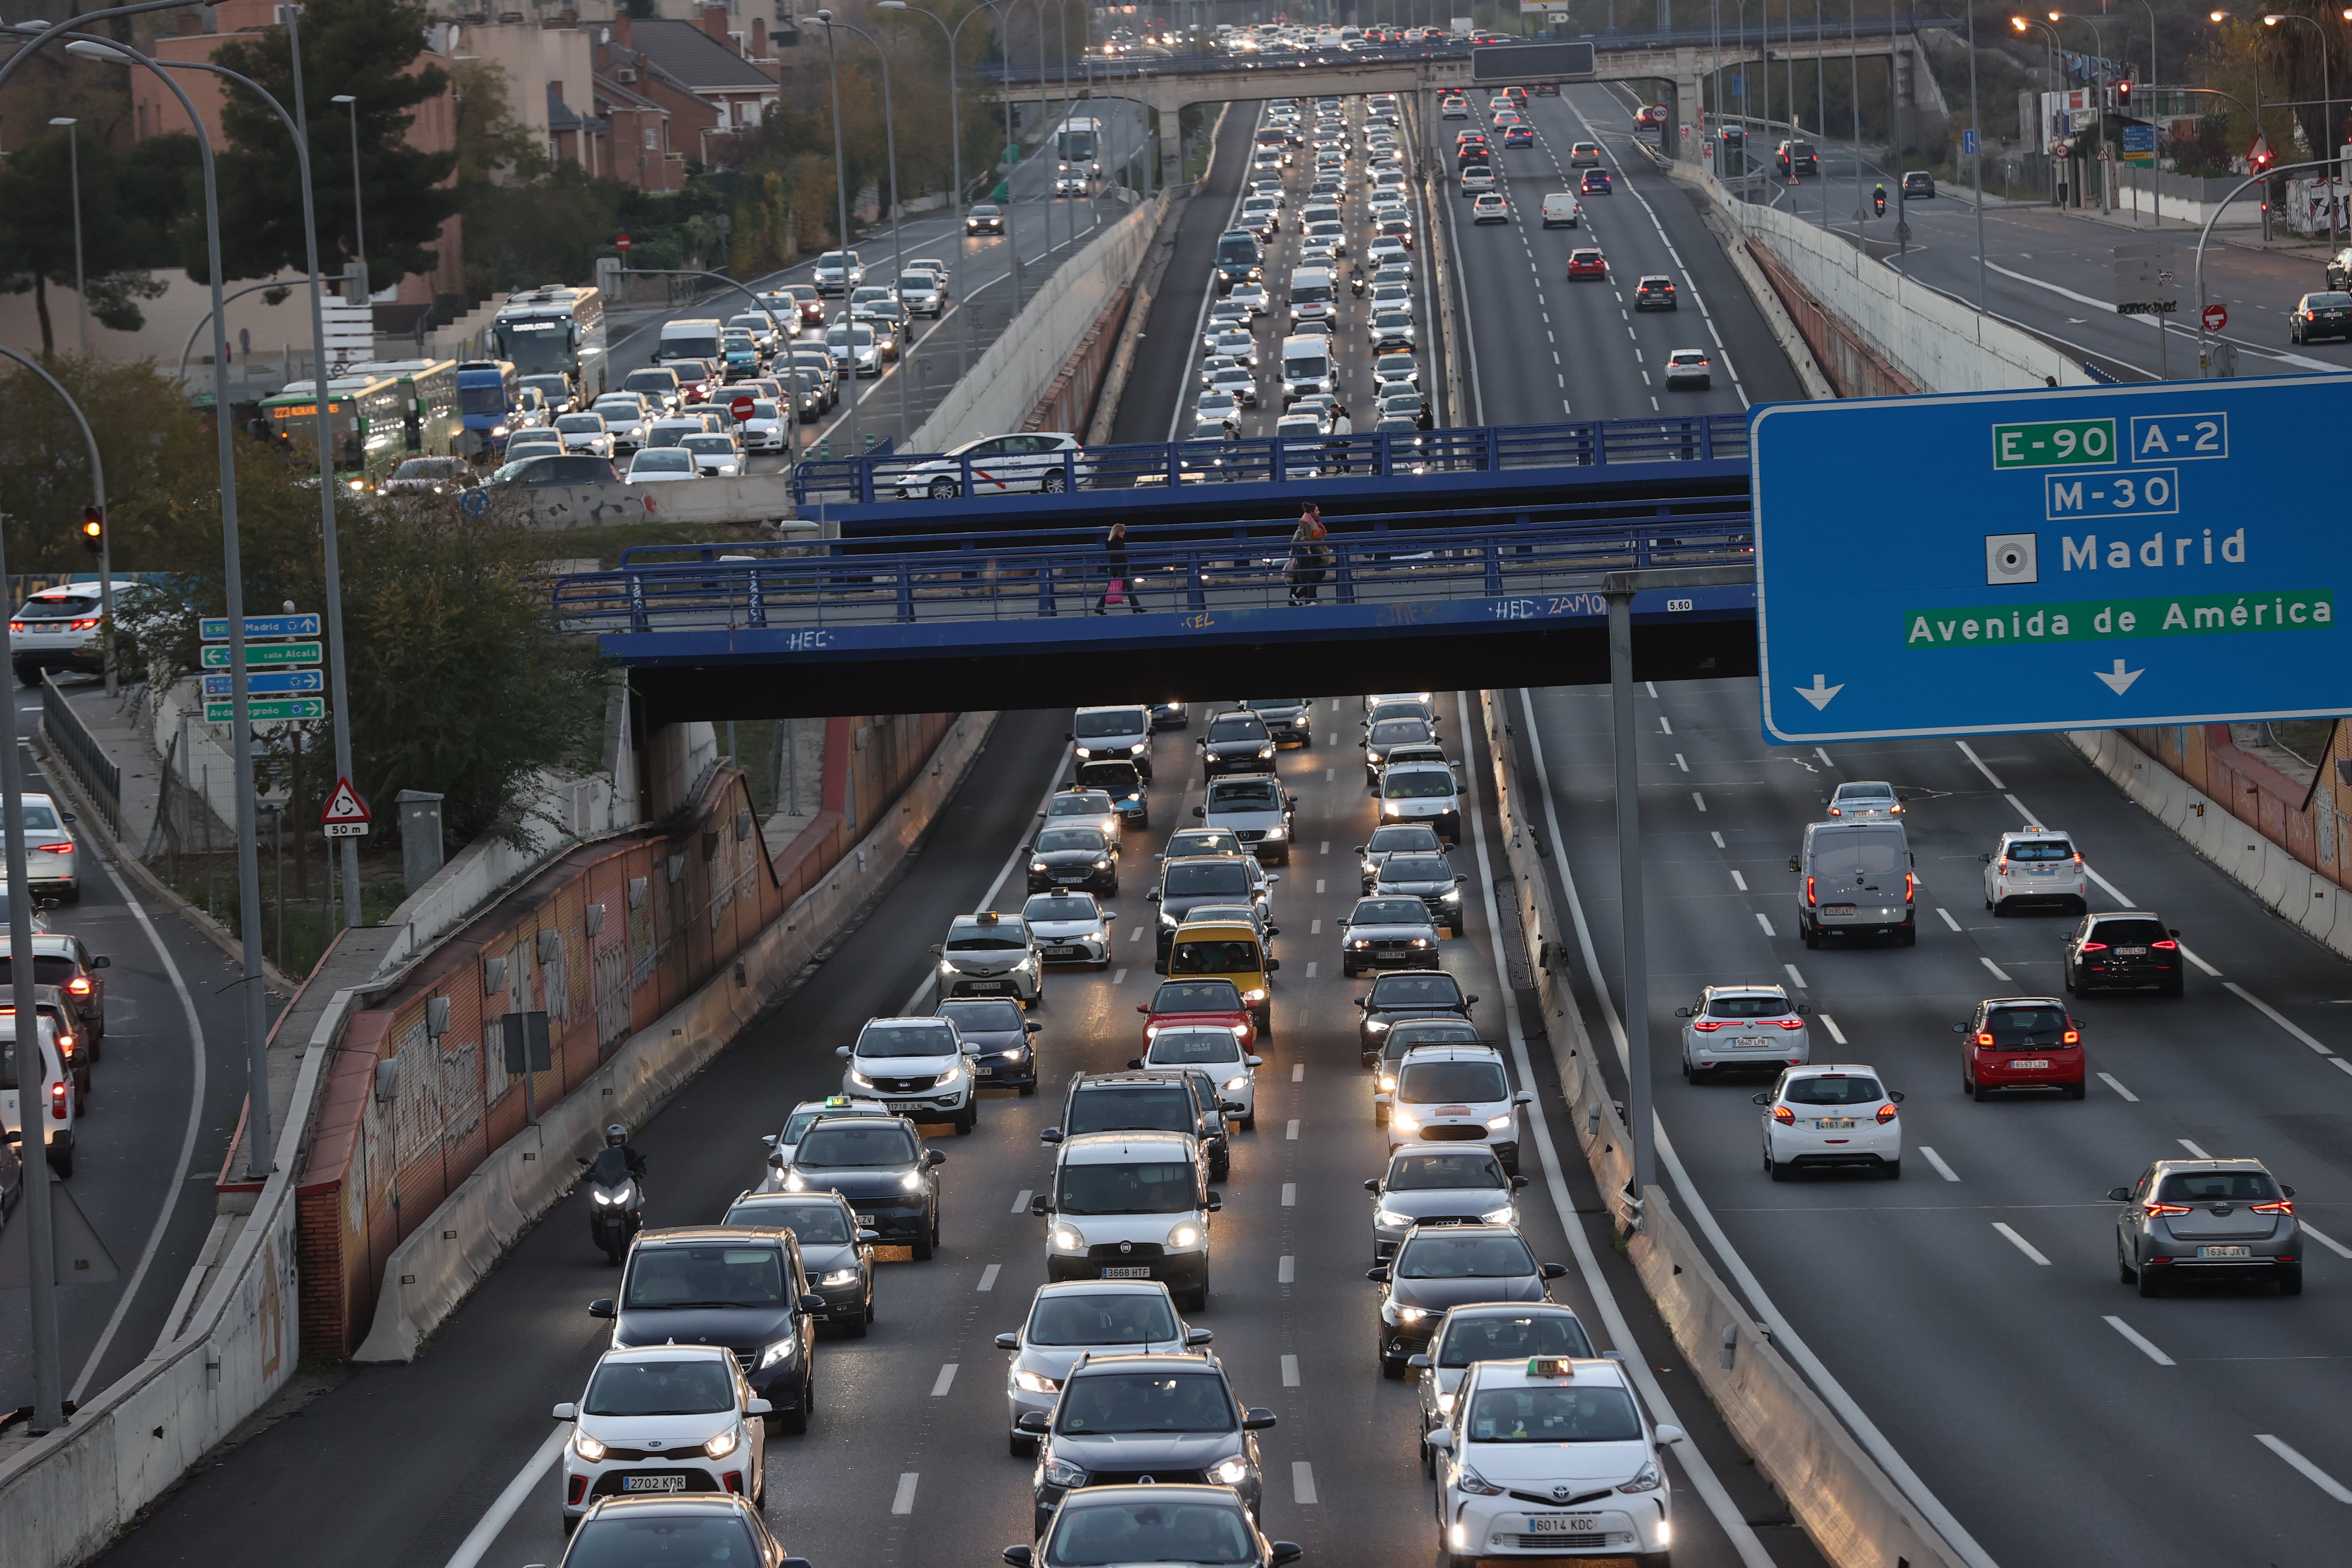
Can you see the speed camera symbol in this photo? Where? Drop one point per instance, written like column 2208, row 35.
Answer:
column 2011, row 559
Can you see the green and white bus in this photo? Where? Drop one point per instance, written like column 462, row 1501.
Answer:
column 379, row 416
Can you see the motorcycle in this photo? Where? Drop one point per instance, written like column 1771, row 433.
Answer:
column 1356, row 284
column 617, row 1202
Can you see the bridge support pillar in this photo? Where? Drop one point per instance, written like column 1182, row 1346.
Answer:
column 1169, row 129
column 1686, row 127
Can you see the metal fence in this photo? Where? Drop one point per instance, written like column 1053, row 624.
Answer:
column 97, row 772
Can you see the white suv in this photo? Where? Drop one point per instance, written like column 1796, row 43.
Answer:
column 2036, row 867
column 1422, row 792
column 914, row 1066
column 1130, row 1205
column 57, row 630
column 1743, row 1025
column 1839, row 1116
column 1218, row 1053
column 1455, row 1094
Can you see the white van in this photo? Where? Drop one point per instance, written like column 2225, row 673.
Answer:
column 691, row 338
column 52, row 1092
column 1130, row 1205
column 1313, row 294
column 1560, row 211
column 1306, row 366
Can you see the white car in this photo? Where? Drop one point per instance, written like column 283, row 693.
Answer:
column 1835, row 1116
column 1240, row 381
column 626, row 417
column 1489, row 207
column 1222, row 1056
column 1559, row 1428
column 1491, row 1331
column 1743, row 1025
column 1864, row 799
column 1077, row 1318
column 52, row 854
column 914, row 1066
column 1121, row 732
column 1422, row 792
column 663, row 1420
column 1253, row 296
column 1080, row 807
column 1688, row 367
column 839, row 270
column 659, row 465
column 1459, row 1095
column 990, row 954
column 2036, row 866
column 1033, row 460
column 715, row 457
column 1392, row 297
column 1439, row 1186
column 782, row 1145
column 55, row 1090
column 585, row 432
column 765, row 431
column 1390, row 251
column 1070, row 928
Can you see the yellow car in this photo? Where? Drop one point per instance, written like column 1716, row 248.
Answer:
column 1230, row 950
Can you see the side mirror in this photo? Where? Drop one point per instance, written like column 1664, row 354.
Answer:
column 1108, row 914
column 1360, row 849
column 1517, row 1181
column 758, row 1407
column 1215, row 1204
column 1525, row 1097
column 1272, row 964
column 1152, row 896
column 1803, row 1009
column 2118, row 1194
column 808, row 1304
column 1033, row 1026
column 1285, row 1553
column 934, row 1157
column 1986, row 859
column 1554, row 1271
column 841, row 1051
column 1050, row 1135
column 1019, row 1556
column 1135, row 1064
column 1896, row 1096
column 776, row 1161
column 600, row 1309
column 936, row 950
column 1255, row 1061
column 1230, row 1107
column 566, row 1413
column 1959, row 1028
column 1068, row 736
column 1032, row 1421
column 1681, row 1012
column 1041, row 1206
column 1142, row 1007
column 1359, row 1001
column 1377, row 1276
column 1459, row 880
column 1200, row 811
column 1418, row 1361
column 1764, row 1098
column 2174, row 930
column 1441, row 1440
column 1668, row 1432
column 2285, row 1191
column 768, row 1139
column 1382, row 1098
column 1008, row 1342
column 1470, row 1000
column 1371, row 1183
column 103, row 962
column 1272, row 876
column 1792, row 863
column 1257, row 1418
column 1200, row 1336
column 868, row 1237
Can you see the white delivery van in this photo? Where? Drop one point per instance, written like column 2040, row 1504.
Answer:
column 47, row 1094
column 691, row 338
column 1306, row 366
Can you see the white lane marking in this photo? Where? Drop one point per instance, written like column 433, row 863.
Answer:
column 1651, row 685
column 1766, row 921
column 1728, row 1514
column 1290, row 1372
column 2109, row 1079
column 1796, row 979
column 2328, row 1242
column 904, row 1501
column 1830, row 1024
column 1948, row 918
column 988, row 1275
column 1286, row 1270
column 1739, row 882
column 1998, row 972
column 1318, row 884
column 2340, row 1062
column 1118, row 977
column 2185, row 951
column 2022, row 1244
column 1718, row 839
column 1290, row 1195
column 1310, row 969
column 1314, row 928
column 1665, row 725
column 1302, row 1481
column 945, row 1381
column 2194, row 1152
column 1325, row 850
column 2140, row 1341
column 1135, row 935
column 1937, row 1161
column 1824, row 757
column 1328, row 775
column 491, row 1525
column 1969, row 753
column 1681, row 763
column 1698, row 800
column 1298, row 1072
column 2274, row 1015
column 1290, row 1132
column 2311, row 1472
column 2024, row 814
column 1021, row 1201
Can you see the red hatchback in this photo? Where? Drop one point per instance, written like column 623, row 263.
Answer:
column 1587, row 262
column 2021, row 1043
column 1197, row 1004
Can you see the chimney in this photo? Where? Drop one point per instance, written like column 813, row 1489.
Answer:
column 621, row 27
column 714, row 23
column 758, row 38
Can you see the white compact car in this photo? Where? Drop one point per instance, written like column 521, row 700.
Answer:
column 1837, row 1117
column 914, row 1066
column 53, row 1100
column 1561, row 1429
column 1457, row 1095
column 2036, row 866
column 1069, row 927
column 52, row 857
column 1743, row 1025
column 990, row 954
column 1422, row 792
column 664, row 1419
column 1222, row 1056
column 1075, row 1318
column 1130, row 1205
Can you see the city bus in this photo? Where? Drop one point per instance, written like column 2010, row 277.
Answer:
column 434, row 423
column 367, row 421
column 554, row 330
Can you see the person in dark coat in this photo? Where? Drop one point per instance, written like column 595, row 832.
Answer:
column 1310, row 556
column 1114, row 569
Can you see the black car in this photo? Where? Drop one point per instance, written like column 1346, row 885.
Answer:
column 836, row 1252
column 1119, row 779
column 708, row 1285
column 985, row 219
column 1798, row 158
column 1286, row 717
column 1918, row 185
column 1450, row 1266
column 2123, row 950
column 2317, row 316
column 1429, row 878
column 1124, row 1420
column 871, row 1161
column 557, row 469
column 996, row 1033
column 1655, row 291
column 682, row 1527
column 1149, row 1100
column 1403, row 993
column 1155, row 1524
column 1237, row 742
column 1078, row 857
column 1186, row 884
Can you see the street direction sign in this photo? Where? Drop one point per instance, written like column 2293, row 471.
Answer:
column 269, row 682
column 278, row 655
column 263, row 710
column 214, row 628
column 1968, row 143
column 2088, row 558
column 2216, row 317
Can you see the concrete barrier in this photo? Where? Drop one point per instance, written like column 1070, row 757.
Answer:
column 439, row 1264
column 1847, row 1503
column 753, row 498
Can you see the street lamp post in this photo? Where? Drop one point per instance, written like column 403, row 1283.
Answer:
column 2327, row 103
column 81, row 288
column 359, row 217
column 897, row 251
column 2022, row 23
column 2220, row 18
column 841, row 241
column 955, row 143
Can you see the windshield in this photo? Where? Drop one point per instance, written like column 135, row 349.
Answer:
column 1145, row 1187
column 709, row 441
column 1191, row 878
column 1057, row 840
column 611, row 1167
column 1396, row 840
column 1833, row 1088
column 1310, row 367
column 1416, row 868
column 1239, row 956
column 1113, row 1403
column 1113, row 722
column 47, row 970
column 1501, row 1338
column 706, row 1275
column 1131, row 1108
column 1118, row 778
column 1178, row 1046
column 2043, row 850
column 1126, row 1318
column 694, row 1387
column 663, row 460
column 1428, row 1256
column 1237, row 251
column 815, row 1223
column 580, row 423
column 1425, row 1032
column 1083, row 803
column 906, row 1040
column 1056, row 907
column 1111, row 1532
column 1390, row 912
column 1554, row 1415
column 849, row 1146
column 660, row 1541
column 984, row 1015
column 843, row 335
column 1431, row 1173
column 1416, row 783
column 2218, row 1187
column 1244, row 794
column 1433, row 1083
column 1747, row 1007
column 425, row 468
column 1418, row 988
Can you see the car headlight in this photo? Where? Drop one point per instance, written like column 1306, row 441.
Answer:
column 912, row 1182
column 1085, row 751
column 1184, row 1237
column 1376, row 1025
column 1388, row 1081
column 1238, row 1084
column 794, row 1182
column 1388, row 1219
column 1102, row 864
column 1645, row 1480
column 947, row 966
column 1241, row 1031
column 860, row 1079
column 1499, row 1122
column 1496, row 1216
column 1360, row 944
column 1171, row 922
column 1445, row 1404
column 1265, row 751
column 497, row 429
column 726, row 1443
column 1035, row 1383
column 1139, row 749
column 1232, row 1471
column 1037, row 866
column 951, row 1074
column 1068, row 1240
column 587, row 1448
column 1410, row 1314
column 1452, row 894
column 1067, row 1476
column 781, row 1352
column 1254, row 998
column 1476, row 1485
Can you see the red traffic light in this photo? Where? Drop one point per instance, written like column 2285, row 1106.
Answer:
column 94, row 530
column 2123, row 92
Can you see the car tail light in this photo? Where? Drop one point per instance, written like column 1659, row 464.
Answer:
column 1784, row 1116
column 2072, row 1037
column 2168, row 945
column 64, row 848
column 2094, row 947
column 16, row 625
column 80, row 985
column 1837, row 811
column 1706, row 1026
column 68, row 1045
column 1790, row 1023
column 58, row 1099
column 2285, row 1206
column 1910, row 886
column 1886, row 1113
column 2155, row 1210
column 2001, row 864
column 1809, row 890
column 1984, row 1036
column 90, row 625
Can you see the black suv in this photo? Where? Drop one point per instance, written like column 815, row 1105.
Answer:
column 869, row 1160
column 708, row 1285
column 1123, row 1418
column 1153, row 1099
column 2123, row 950
column 1655, row 291
column 1798, row 158
column 1403, row 993
column 1237, row 742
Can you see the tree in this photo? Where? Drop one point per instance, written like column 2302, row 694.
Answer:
column 357, row 47
column 151, row 442
column 37, row 242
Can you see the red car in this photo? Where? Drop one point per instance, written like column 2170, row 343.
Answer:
column 1587, row 263
column 695, row 378
column 1595, row 183
column 805, row 297
column 1197, row 1004
column 2022, row 1043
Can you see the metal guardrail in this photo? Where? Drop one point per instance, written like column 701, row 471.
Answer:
column 99, row 772
column 1189, row 577
column 1274, row 460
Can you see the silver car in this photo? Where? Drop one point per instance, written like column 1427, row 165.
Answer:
column 1286, row 718
column 1079, row 1317
column 1466, row 1186
column 1429, row 878
column 2188, row 1219
column 1404, row 838
column 837, row 271
column 1069, row 927
column 1743, row 1025
column 1083, row 808
column 1490, row 1331
column 1864, row 799
column 1387, row 930
column 991, row 954
column 1256, row 809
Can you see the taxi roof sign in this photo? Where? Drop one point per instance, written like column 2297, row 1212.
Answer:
column 1551, row 1366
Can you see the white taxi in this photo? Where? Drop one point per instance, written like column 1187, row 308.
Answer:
column 1551, row 1458
column 2036, row 866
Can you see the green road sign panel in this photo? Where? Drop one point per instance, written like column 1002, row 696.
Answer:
column 264, row 655
column 265, row 709
column 2053, row 444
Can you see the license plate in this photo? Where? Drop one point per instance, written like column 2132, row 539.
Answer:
column 865, row 1222
column 985, row 984
column 2030, row 1062
column 1837, row 908
column 1071, row 878
column 1834, row 1121
column 981, row 1070
column 1065, row 952
column 1562, row 1523
column 2131, row 952
column 2225, row 1252
column 1751, row 1042
column 1139, row 1272
column 652, row 1483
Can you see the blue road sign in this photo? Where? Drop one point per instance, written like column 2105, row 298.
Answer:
column 475, row 503
column 216, row 627
column 2138, row 138
column 2083, row 558
column 269, row 682
column 1967, row 143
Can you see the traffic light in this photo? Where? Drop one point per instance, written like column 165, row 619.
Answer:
column 94, row 530
column 2123, row 93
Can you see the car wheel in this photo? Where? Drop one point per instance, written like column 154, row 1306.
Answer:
column 2076, row 1090
column 1810, row 932
column 2066, row 978
column 945, row 490
column 1019, row 1447
column 2290, row 1279
column 1976, row 1090
column 1054, row 484
column 1909, row 936
column 1348, row 971
column 61, row 1162
column 2145, row 1278
column 927, row 1241
column 1892, row 1170
column 1774, row 1169
column 2173, row 987
column 968, row 1119
column 1028, row 1089
column 855, row 1329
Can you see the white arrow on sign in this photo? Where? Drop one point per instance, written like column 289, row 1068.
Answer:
column 2121, row 681
column 1820, row 692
